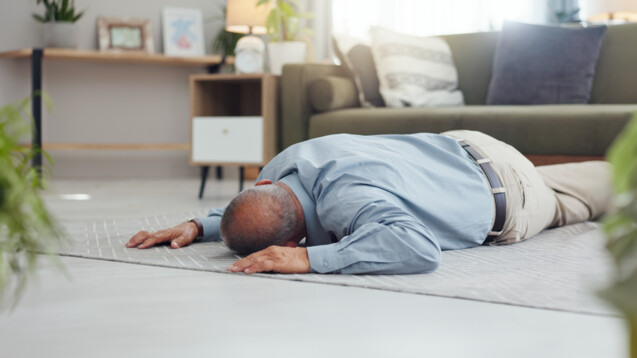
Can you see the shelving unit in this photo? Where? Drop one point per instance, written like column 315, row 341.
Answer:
column 233, row 121
column 38, row 55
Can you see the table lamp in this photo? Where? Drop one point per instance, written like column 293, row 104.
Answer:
column 243, row 16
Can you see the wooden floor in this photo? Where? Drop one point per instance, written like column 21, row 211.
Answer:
column 112, row 309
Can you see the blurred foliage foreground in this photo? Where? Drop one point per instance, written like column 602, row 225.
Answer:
column 621, row 228
column 27, row 229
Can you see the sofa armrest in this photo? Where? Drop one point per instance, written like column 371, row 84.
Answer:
column 331, row 93
column 295, row 104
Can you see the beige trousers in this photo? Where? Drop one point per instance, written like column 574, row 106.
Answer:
column 542, row 197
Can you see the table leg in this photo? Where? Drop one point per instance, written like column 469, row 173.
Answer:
column 241, row 175
column 204, row 177
column 36, row 107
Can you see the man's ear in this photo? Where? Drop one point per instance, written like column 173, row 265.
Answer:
column 290, row 244
column 263, row 182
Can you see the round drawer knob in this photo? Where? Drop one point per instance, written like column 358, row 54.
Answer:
column 224, row 131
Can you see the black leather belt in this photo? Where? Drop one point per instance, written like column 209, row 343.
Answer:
column 496, row 188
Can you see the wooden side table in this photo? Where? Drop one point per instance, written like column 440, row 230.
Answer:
column 233, row 121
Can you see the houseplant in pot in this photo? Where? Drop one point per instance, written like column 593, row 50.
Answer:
column 27, row 229
column 284, row 27
column 225, row 43
column 621, row 229
column 59, row 22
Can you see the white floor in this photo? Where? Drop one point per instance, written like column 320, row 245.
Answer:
column 112, row 309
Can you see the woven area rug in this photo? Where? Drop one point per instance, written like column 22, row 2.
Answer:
column 559, row 269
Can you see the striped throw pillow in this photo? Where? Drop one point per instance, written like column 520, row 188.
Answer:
column 414, row 71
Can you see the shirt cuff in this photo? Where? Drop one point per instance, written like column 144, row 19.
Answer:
column 323, row 259
column 211, row 226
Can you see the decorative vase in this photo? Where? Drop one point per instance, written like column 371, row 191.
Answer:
column 60, row 34
column 281, row 53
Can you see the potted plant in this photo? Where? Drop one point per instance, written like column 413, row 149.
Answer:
column 621, row 229
column 225, row 43
column 284, row 28
column 26, row 227
column 564, row 12
column 59, row 23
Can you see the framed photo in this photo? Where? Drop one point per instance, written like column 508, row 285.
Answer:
column 125, row 34
column 183, row 32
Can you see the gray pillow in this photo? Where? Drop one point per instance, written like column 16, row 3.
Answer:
column 536, row 64
column 357, row 57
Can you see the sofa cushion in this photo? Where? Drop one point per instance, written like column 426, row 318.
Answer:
column 356, row 55
column 473, row 56
column 414, row 71
column 332, row 92
column 616, row 72
column 586, row 130
column 537, row 64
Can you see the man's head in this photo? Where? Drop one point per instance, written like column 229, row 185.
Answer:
column 260, row 217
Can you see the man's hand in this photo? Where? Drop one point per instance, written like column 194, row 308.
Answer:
column 179, row 236
column 274, row 258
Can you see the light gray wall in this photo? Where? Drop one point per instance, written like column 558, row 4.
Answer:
column 107, row 103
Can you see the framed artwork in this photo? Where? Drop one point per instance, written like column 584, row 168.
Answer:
column 183, row 32
column 124, row 34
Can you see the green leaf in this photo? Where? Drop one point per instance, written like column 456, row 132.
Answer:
column 286, row 9
column 272, row 24
column 283, row 20
column 77, row 17
column 55, row 11
column 65, row 6
column 622, row 155
column 59, row 10
column 305, row 15
column 262, row 2
column 38, row 17
column 623, row 295
column 621, row 227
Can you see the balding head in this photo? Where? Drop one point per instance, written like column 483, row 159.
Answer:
column 259, row 217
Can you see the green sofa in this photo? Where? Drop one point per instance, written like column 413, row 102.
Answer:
column 319, row 100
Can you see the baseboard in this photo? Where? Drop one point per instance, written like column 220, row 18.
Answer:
column 540, row 159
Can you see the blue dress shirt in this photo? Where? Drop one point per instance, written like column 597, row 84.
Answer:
column 381, row 204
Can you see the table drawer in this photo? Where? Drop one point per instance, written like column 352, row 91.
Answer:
column 227, row 140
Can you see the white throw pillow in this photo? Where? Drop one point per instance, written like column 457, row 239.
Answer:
column 414, row 71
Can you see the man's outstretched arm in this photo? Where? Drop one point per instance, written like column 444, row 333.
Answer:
column 179, row 236
column 399, row 248
column 182, row 234
column 274, row 259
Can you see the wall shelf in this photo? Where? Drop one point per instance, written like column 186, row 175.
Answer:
column 116, row 57
column 38, row 55
column 117, row 146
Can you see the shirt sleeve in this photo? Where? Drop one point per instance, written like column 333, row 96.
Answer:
column 211, row 224
column 382, row 237
column 399, row 248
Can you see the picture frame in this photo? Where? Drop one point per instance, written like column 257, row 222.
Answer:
column 183, row 32
column 125, row 34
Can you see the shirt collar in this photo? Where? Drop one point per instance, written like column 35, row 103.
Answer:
column 315, row 233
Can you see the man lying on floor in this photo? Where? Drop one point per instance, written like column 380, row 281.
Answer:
column 389, row 204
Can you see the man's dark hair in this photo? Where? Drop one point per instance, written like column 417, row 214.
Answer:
column 257, row 218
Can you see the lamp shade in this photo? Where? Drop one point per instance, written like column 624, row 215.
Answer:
column 243, row 16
